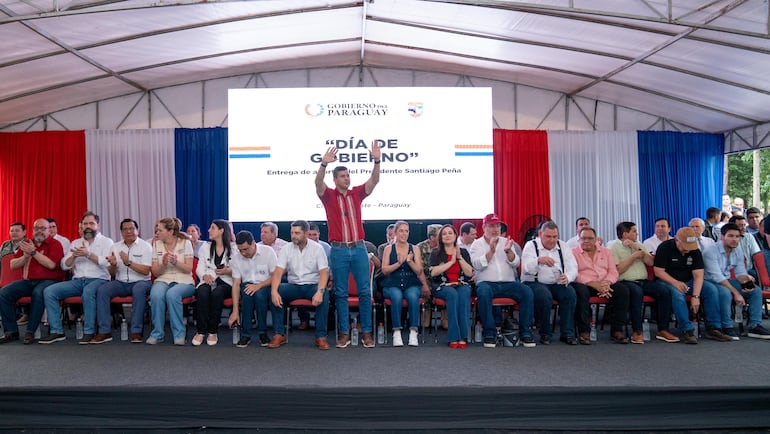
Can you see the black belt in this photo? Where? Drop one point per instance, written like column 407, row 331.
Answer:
column 348, row 245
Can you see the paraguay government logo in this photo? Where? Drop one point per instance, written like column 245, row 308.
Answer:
column 314, row 110
column 415, row 109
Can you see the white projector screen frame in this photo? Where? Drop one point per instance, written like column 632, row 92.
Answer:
column 436, row 151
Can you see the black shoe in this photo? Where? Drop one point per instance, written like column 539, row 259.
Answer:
column 528, row 341
column 243, row 342
column 9, row 337
column 490, row 342
column 51, row 338
column 263, row 340
column 545, row 339
column 569, row 340
column 86, row 339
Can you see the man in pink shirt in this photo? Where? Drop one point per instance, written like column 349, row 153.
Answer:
column 598, row 275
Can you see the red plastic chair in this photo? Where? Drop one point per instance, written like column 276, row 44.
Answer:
column 294, row 304
column 762, row 272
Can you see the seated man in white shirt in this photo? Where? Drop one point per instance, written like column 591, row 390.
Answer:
column 252, row 271
column 495, row 262
column 129, row 264
column 305, row 262
column 580, row 223
column 662, row 233
column 548, row 267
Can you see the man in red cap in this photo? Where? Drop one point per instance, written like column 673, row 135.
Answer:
column 495, row 263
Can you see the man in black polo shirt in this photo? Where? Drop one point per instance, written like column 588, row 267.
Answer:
column 679, row 267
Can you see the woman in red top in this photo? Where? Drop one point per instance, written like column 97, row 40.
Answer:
column 451, row 270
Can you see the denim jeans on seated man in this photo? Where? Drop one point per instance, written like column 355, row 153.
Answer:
column 396, row 297
column 169, row 296
column 12, row 292
column 290, row 292
column 343, row 261
column 544, row 296
column 709, row 298
column 486, row 291
column 137, row 290
column 752, row 297
column 81, row 286
column 258, row 300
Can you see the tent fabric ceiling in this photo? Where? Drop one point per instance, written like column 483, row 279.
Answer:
column 701, row 63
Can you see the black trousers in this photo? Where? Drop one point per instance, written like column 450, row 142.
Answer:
column 210, row 300
column 618, row 306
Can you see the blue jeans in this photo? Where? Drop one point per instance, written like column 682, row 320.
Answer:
column 346, row 260
column 752, row 298
column 486, row 291
column 709, row 301
column 290, row 292
column 258, row 300
column 137, row 290
column 396, row 297
column 544, row 297
column 168, row 296
column 458, row 308
column 11, row 293
column 80, row 286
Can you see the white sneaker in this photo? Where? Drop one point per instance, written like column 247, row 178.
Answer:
column 397, row 342
column 413, row 338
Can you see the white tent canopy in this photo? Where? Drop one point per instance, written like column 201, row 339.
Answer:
column 697, row 63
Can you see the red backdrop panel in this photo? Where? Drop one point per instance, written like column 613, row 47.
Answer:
column 42, row 174
column 522, row 186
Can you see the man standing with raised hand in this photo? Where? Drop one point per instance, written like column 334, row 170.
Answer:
column 346, row 236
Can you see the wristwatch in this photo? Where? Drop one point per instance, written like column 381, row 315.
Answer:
column 129, row 264
column 34, row 252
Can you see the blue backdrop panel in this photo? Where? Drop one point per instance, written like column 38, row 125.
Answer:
column 680, row 176
column 201, row 175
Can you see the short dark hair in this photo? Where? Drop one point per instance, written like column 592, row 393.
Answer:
column 587, row 228
column 313, row 226
column 624, row 227
column 663, row 219
column 23, row 227
column 503, row 228
column 753, row 210
column 50, row 220
column 89, row 214
column 712, row 212
column 581, row 218
column 339, row 169
column 729, row 227
column 244, row 237
column 735, row 218
column 302, row 224
column 136, row 225
column 466, row 227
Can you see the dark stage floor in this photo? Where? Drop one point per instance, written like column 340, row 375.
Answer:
column 605, row 386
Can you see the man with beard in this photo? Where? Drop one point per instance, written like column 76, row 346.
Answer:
column 725, row 268
column 39, row 259
column 305, row 262
column 87, row 259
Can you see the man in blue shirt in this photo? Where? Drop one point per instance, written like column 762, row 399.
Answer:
column 724, row 265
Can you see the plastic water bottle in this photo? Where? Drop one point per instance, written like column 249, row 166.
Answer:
column 236, row 334
column 646, row 330
column 593, row 331
column 38, row 332
column 123, row 330
column 739, row 317
column 79, row 329
column 380, row 334
column 354, row 333
column 477, row 332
